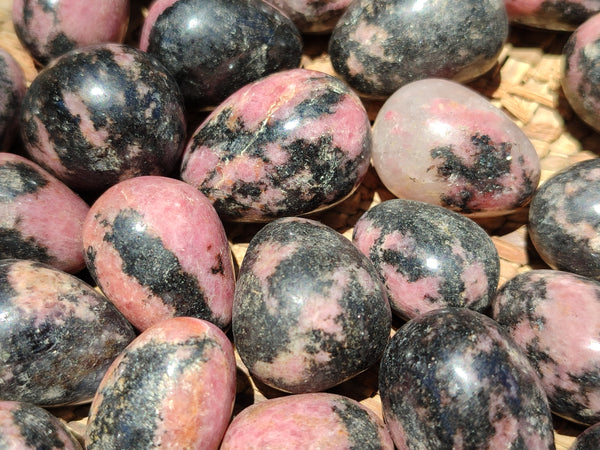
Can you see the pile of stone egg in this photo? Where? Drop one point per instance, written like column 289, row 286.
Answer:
column 472, row 366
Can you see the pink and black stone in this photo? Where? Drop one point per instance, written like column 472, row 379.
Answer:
column 40, row 217
column 560, row 15
column 12, row 90
column 58, row 335
column 581, row 76
column 102, row 114
column 27, row 426
column 309, row 310
column 442, row 39
column 215, row 47
column 316, row 420
column 564, row 219
column 289, row 144
column 554, row 317
column 453, row 378
column 172, row 387
column 157, row 249
column 428, row 257
column 48, row 29
column 313, row 16
column 588, row 440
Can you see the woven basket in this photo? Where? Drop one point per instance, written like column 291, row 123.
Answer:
column 525, row 83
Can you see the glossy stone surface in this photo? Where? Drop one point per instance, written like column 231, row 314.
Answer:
column 12, row 90
column 103, row 114
column 428, row 256
column 58, row 335
column 157, row 249
column 581, row 76
column 312, row 16
column 309, row 310
column 563, row 15
column 588, row 440
column 303, row 421
column 48, row 29
column 554, row 317
column 442, row 143
column 40, row 217
column 215, row 47
column 173, row 387
column 289, row 144
column 452, row 378
column 445, row 39
column 564, row 219
column 26, row 426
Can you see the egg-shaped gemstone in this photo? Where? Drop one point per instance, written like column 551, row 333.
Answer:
column 309, row 310
column 564, row 219
column 40, row 217
column 378, row 46
column 215, row 47
column 452, row 378
column 172, row 387
column 48, row 29
column 286, row 145
column 428, row 256
column 102, row 114
column 554, row 317
column 588, row 439
column 561, row 15
column 442, row 143
column 316, row 420
column 157, row 249
column 12, row 90
column 26, row 426
column 58, row 335
column 313, row 16
column 581, row 76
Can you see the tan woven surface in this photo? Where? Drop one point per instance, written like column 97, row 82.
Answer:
column 525, row 83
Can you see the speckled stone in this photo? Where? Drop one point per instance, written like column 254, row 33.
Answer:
column 40, row 217
column 564, row 219
column 215, row 47
column 102, row 114
column 25, row 426
column 428, row 256
column 12, row 90
column 157, row 249
column 554, row 317
column 588, row 440
column 442, row 143
column 581, row 76
column 452, row 378
column 307, row 421
column 58, row 335
column 309, row 310
column 292, row 143
column 312, row 16
column 561, row 15
column 378, row 46
column 172, row 387
column 48, row 29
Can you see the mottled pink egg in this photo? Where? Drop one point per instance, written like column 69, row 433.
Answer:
column 26, row 426
column 289, row 144
column 40, row 217
column 439, row 142
column 561, row 15
column 172, row 387
column 312, row 16
column 157, row 249
column 12, row 89
column 48, row 29
column 307, row 421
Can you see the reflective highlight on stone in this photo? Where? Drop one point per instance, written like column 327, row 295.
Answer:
column 428, row 256
column 309, row 310
column 452, row 378
column 554, row 317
